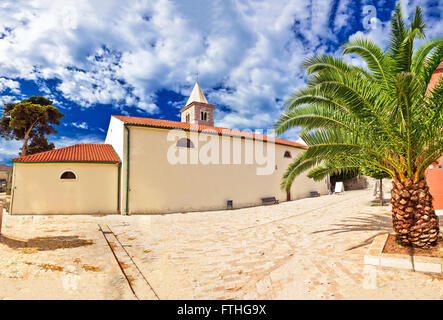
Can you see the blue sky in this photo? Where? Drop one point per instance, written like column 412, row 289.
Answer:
column 97, row 58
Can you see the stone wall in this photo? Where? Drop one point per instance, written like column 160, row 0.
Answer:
column 357, row 183
column 198, row 108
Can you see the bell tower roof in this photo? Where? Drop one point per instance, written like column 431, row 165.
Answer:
column 197, row 95
column 197, row 110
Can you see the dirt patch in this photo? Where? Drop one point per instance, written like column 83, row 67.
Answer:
column 28, row 250
column 50, row 267
column 45, row 243
column 88, row 267
column 393, row 247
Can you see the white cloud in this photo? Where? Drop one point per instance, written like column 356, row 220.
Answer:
column 116, row 52
column 148, row 107
column 6, row 99
column 80, row 125
column 122, row 53
column 8, row 84
column 63, row 141
column 9, row 149
column 300, row 140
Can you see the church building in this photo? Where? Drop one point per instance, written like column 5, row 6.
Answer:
column 155, row 166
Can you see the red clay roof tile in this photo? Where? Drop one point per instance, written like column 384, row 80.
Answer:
column 87, row 152
column 168, row 124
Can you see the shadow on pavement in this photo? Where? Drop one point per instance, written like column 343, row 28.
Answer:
column 370, row 222
column 45, row 243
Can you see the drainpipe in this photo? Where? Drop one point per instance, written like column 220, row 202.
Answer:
column 12, row 189
column 119, row 187
column 127, row 171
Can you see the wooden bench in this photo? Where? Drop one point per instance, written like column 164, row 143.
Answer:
column 269, row 200
column 313, row 194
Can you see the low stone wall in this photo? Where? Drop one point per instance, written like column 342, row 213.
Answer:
column 357, row 183
column 387, row 184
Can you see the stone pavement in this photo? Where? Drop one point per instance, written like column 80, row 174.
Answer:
column 305, row 249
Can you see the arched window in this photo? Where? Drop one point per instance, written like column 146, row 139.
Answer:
column 204, row 116
column 184, row 143
column 68, row 175
column 188, row 118
column 287, row 154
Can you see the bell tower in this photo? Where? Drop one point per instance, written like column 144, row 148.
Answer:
column 197, row 109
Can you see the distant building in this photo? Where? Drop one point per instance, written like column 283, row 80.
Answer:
column 5, row 173
column 159, row 166
column 434, row 174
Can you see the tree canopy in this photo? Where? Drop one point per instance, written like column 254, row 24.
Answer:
column 30, row 120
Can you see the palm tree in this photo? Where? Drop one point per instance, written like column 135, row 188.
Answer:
column 382, row 117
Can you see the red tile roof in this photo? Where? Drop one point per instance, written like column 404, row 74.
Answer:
column 86, row 152
column 168, row 124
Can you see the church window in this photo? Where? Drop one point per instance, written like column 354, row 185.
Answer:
column 203, row 115
column 287, row 154
column 68, row 175
column 184, row 143
column 188, row 118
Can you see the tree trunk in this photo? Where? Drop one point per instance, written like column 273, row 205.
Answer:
column 381, row 192
column 24, row 147
column 414, row 220
column 24, row 151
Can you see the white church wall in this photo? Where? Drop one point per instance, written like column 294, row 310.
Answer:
column 38, row 188
column 157, row 186
column 115, row 136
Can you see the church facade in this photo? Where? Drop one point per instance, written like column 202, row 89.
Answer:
column 154, row 166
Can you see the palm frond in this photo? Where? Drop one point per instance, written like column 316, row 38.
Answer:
column 371, row 54
column 383, row 118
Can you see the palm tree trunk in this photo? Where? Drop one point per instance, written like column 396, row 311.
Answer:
column 414, row 220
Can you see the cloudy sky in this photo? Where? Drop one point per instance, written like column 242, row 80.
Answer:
column 95, row 58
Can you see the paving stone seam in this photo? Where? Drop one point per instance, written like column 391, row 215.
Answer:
column 104, row 232
column 136, row 266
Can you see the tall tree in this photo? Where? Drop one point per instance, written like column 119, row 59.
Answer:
column 39, row 144
column 30, row 120
column 382, row 117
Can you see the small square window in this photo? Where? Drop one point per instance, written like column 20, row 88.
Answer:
column 439, row 166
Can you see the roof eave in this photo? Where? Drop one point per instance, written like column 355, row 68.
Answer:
column 219, row 134
column 197, row 103
column 70, row 161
